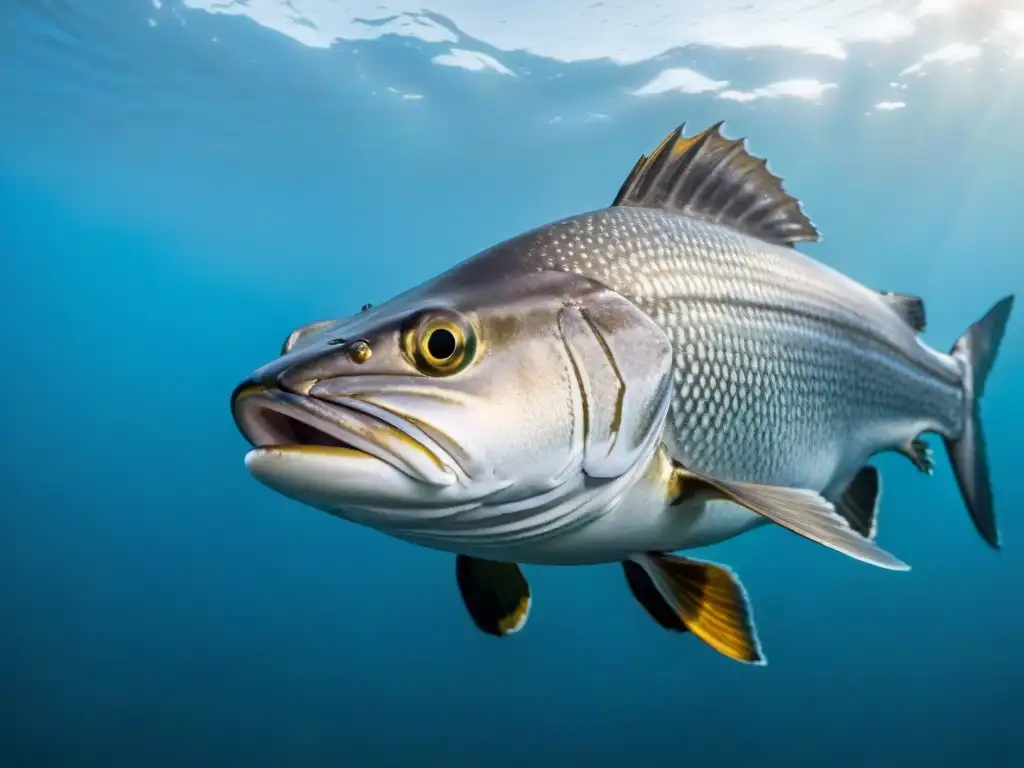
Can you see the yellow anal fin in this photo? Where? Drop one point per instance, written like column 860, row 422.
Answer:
column 496, row 594
column 715, row 178
column 710, row 601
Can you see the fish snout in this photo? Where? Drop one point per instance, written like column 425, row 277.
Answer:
column 254, row 383
column 297, row 372
column 300, row 371
column 270, row 376
column 257, row 383
column 286, row 374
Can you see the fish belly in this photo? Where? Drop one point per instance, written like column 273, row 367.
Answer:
column 706, row 523
column 633, row 528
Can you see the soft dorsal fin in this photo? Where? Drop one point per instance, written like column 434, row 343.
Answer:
column 910, row 308
column 716, row 179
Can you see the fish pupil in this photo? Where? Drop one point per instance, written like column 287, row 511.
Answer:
column 441, row 344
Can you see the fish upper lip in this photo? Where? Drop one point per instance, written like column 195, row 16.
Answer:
column 269, row 417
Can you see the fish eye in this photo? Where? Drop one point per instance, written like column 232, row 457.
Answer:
column 440, row 343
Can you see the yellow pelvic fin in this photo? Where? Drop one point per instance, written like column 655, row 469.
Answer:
column 709, row 600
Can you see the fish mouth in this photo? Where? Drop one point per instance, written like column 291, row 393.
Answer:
column 285, row 423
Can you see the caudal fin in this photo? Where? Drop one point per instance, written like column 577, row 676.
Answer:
column 976, row 350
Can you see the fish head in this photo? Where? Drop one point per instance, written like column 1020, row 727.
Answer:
column 464, row 412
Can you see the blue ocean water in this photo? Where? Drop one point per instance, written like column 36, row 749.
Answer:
column 182, row 183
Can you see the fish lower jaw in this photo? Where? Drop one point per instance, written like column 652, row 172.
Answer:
column 299, row 449
column 333, row 478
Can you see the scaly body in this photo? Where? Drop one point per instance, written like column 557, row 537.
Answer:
column 785, row 371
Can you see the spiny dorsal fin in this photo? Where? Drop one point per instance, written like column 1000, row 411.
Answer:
column 910, row 308
column 716, row 179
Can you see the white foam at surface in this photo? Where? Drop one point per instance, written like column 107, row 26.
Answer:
column 623, row 31
column 802, row 88
column 680, row 79
column 949, row 54
column 475, row 61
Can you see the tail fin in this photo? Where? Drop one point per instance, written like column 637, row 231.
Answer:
column 976, row 350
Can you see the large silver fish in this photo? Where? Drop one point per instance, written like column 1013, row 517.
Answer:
column 662, row 374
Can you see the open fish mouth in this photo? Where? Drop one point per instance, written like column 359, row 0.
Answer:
column 273, row 420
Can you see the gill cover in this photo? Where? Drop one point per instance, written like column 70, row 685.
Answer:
column 622, row 363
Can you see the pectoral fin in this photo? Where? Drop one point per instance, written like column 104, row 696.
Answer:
column 803, row 512
column 705, row 598
column 496, row 595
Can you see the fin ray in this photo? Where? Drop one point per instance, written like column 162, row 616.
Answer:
column 646, row 593
column 709, row 600
column 805, row 513
column 717, row 179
